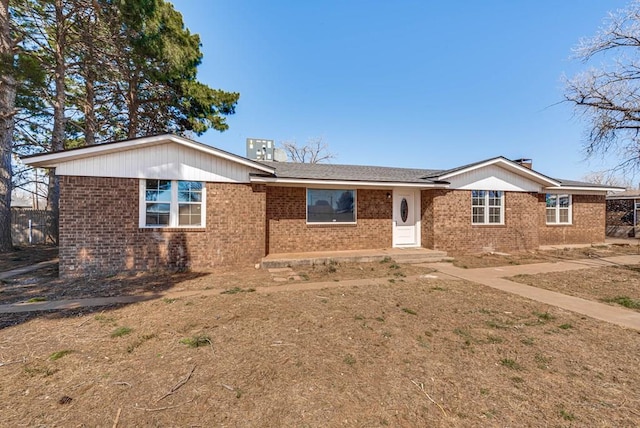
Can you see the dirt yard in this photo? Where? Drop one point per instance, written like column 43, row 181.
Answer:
column 24, row 256
column 616, row 285
column 548, row 256
column 423, row 352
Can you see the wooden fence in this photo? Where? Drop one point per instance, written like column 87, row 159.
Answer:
column 30, row 227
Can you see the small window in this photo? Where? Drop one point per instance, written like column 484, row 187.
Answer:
column 331, row 206
column 158, row 202
column 171, row 203
column 404, row 210
column 558, row 209
column 487, row 207
column 189, row 203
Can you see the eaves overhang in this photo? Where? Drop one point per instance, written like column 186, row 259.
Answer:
column 505, row 164
column 598, row 189
column 297, row 182
column 51, row 160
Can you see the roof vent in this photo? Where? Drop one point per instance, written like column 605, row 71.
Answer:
column 527, row 163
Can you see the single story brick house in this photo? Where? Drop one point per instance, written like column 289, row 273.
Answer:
column 623, row 214
column 167, row 201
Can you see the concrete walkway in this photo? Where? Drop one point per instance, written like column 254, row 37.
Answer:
column 492, row 277
column 25, row 269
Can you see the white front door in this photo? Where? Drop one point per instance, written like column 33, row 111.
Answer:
column 406, row 218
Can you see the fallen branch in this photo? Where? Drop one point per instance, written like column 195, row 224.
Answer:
column 421, row 386
column 122, row 383
column 88, row 319
column 211, row 345
column 115, row 423
column 634, row 412
column 79, row 385
column 178, row 385
column 159, row 409
column 23, row 360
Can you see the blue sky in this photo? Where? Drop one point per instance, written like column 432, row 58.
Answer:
column 425, row 84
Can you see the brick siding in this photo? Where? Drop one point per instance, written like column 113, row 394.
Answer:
column 99, row 231
column 288, row 231
column 446, row 217
column 588, row 222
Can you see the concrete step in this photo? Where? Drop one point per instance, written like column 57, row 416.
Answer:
column 434, row 259
column 410, row 256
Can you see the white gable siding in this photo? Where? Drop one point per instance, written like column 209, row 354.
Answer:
column 166, row 161
column 493, row 177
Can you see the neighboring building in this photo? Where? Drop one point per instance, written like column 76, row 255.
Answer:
column 623, row 214
column 166, row 201
column 29, row 225
column 21, row 203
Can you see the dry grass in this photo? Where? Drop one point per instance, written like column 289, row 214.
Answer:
column 417, row 353
column 472, row 261
column 25, row 256
column 411, row 352
column 608, row 284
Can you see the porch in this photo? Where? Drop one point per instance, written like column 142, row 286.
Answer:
column 400, row 255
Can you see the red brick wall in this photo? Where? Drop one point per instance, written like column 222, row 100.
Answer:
column 288, row 231
column 99, row 231
column 446, row 216
column 588, row 222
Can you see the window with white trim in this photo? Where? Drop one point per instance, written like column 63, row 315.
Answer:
column 558, row 209
column 172, row 203
column 487, row 207
column 331, row 206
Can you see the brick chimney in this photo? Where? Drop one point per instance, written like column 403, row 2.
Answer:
column 527, row 163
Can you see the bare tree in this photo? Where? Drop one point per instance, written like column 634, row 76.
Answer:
column 315, row 151
column 608, row 96
column 608, row 178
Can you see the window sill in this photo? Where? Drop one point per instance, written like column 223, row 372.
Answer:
column 172, row 229
column 559, row 224
column 488, row 224
column 333, row 224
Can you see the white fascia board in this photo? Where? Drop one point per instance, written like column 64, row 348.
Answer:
column 508, row 165
column 295, row 182
column 618, row 197
column 618, row 190
column 581, row 189
column 221, row 154
column 51, row 160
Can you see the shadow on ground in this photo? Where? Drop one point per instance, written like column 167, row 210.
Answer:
column 44, row 285
column 23, row 256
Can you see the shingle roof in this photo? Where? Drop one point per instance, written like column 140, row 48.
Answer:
column 574, row 183
column 627, row 194
column 323, row 171
column 334, row 172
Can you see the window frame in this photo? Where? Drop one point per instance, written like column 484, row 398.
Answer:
column 557, row 209
column 331, row 189
column 174, row 206
column 486, row 206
